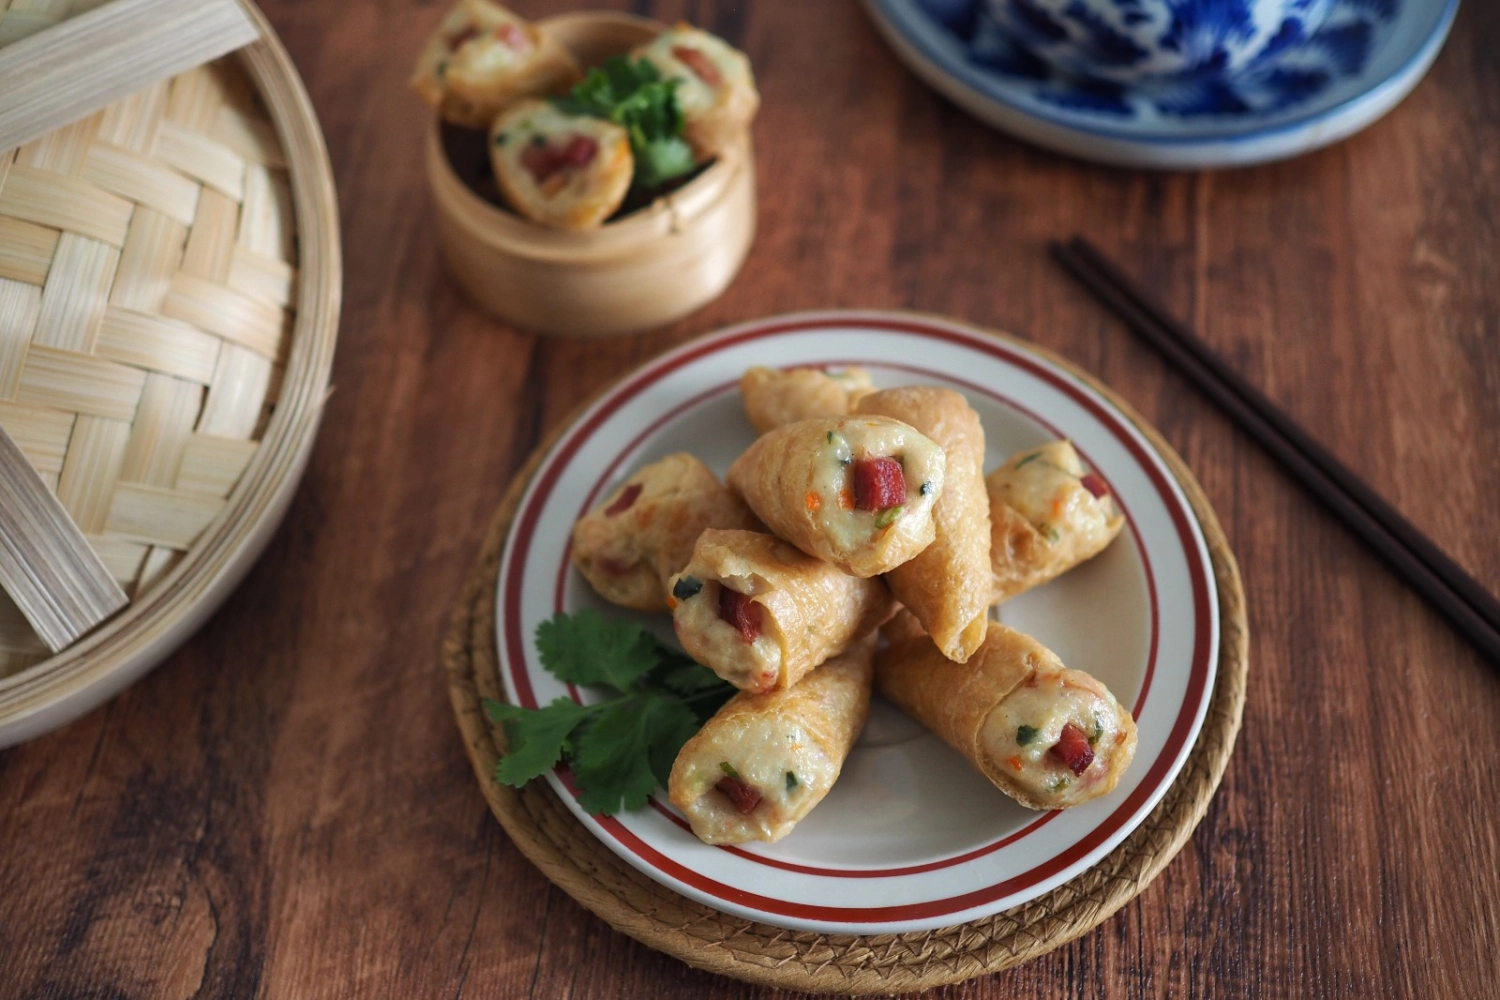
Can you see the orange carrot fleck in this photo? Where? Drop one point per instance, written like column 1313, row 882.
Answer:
column 814, row 501
column 846, row 499
column 671, row 603
column 1015, row 762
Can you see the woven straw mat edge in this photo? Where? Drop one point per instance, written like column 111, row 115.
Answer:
column 567, row 853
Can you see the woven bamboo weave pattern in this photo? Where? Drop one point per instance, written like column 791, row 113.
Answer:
column 567, row 853
column 147, row 273
column 21, row 18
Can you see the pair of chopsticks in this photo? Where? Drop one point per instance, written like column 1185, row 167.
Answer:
column 1454, row 594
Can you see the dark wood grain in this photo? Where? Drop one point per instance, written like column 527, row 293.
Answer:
column 283, row 808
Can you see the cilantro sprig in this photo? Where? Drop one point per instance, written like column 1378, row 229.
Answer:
column 620, row 748
column 634, row 96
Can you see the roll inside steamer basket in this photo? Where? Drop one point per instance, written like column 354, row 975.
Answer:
column 169, row 295
column 651, row 267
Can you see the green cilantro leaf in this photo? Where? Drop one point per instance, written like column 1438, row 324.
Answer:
column 620, row 749
column 689, row 679
column 536, row 737
column 675, row 725
column 634, row 96
column 659, row 160
column 588, row 648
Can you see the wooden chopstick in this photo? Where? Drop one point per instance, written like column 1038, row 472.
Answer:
column 1457, row 596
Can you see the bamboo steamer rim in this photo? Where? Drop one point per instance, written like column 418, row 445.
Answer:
column 510, row 232
column 556, row 842
column 102, row 664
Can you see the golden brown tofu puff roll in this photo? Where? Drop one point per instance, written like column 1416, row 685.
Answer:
column 564, row 171
column 947, row 584
column 1047, row 515
column 629, row 546
column 1047, row 736
column 761, row 614
column 855, row 491
column 774, row 397
column 481, row 58
column 902, row 625
column 716, row 90
column 760, row 765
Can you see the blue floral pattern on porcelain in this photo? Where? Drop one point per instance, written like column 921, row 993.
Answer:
column 1293, row 66
column 1127, row 41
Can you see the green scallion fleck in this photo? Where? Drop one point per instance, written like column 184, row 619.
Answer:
column 1051, row 533
column 1098, row 732
column 830, row 437
column 1029, row 458
column 887, row 517
column 1059, row 784
column 1026, row 734
column 686, row 587
column 728, row 769
column 791, row 781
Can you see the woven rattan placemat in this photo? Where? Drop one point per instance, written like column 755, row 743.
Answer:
column 558, row 844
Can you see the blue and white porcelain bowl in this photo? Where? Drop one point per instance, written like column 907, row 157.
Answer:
column 1361, row 60
column 1127, row 41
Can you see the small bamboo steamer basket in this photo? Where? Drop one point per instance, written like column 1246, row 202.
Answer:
column 647, row 269
column 170, row 281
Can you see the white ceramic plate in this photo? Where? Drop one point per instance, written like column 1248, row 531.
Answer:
column 911, row 837
column 1365, row 57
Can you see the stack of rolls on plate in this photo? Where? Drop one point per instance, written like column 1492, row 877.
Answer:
column 569, row 164
column 857, row 545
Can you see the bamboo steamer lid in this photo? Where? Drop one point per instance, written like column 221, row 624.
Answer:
column 169, row 297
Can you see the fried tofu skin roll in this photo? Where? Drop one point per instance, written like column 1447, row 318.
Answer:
column 902, row 626
column 629, row 546
column 716, row 90
column 774, row 397
column 947, row 584
column 855, row 491
column 1047, row 736
column 761, row 764
column 1047, row 515
column 564, row 171
column 761, row 614
column 481, row 58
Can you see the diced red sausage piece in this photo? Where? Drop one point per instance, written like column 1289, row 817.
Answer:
column 878, row 483
column 540, row 161
column 513, row 37
column 700, row 64
column 613, row 566
column 1072, row 748
column 579, row 152
column 744, row 797
column 468, row 33
column 1095, row 485
column 545, row 161
column 744, row 614
column 627, row 498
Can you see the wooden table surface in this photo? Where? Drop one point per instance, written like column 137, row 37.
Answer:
column 284, row 808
